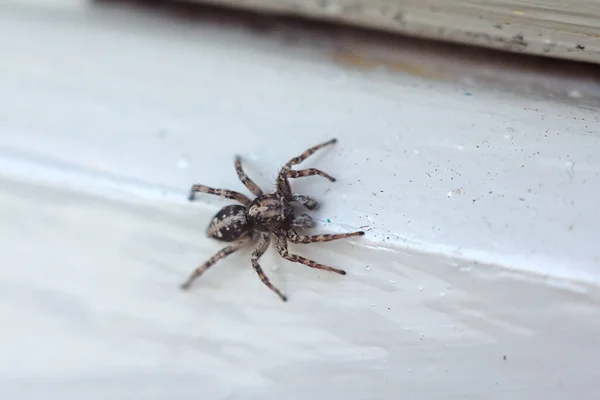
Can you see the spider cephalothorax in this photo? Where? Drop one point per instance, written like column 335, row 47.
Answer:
column 268, row 215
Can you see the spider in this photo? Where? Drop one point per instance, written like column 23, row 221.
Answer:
column 268, row 215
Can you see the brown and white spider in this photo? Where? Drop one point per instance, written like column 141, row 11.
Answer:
column 268, row 214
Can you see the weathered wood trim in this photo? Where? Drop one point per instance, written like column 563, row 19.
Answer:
column 562, row 29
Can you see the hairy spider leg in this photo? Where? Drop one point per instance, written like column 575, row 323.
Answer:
column 291, row 173
column 303, row 221
column 307, row 202
column 263, row 244
column 246, row 180
column 293, row 237
column 228, row 194
column 221, row 254
column 281, row 245
column 283, row 185
column 308, row 153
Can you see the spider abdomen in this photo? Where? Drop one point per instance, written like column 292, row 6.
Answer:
column 229, row 224
column 269, row 212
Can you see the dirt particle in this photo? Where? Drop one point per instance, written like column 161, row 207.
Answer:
column 519, row 40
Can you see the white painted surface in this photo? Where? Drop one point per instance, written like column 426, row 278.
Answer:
column 122, row 113
column 90, row 309
column 95, row 97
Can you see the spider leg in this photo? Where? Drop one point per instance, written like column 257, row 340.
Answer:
column 221, row 254
column 248, row 182
column 263, row 244
column 293, row 237
column 306, row 201
column 283, row 185
column 308, row 153
column 303, row 221
column 228, row 194
column 281, row 245
column 291, row 173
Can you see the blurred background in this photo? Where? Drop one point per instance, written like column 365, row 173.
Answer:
column 467, row 150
